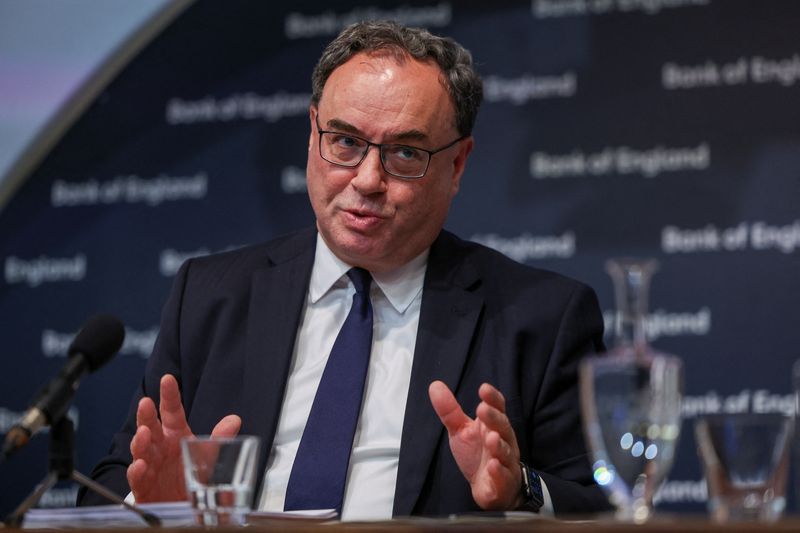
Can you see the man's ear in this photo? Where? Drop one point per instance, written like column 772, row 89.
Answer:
column 312, row 115
column 460, row 162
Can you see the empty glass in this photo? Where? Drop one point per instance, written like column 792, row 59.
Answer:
column 746, row 463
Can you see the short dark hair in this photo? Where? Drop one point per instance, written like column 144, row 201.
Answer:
column 460, row 77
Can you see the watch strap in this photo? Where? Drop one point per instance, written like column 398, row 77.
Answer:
column 532, row 494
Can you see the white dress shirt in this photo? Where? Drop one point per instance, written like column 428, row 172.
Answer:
column 396, row 297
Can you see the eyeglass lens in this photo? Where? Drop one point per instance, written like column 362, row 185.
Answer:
column 398, row 159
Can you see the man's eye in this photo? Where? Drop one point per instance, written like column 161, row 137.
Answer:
column 405, row 153
column 344, row 141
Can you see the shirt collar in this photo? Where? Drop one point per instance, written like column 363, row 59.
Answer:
column 400, row 286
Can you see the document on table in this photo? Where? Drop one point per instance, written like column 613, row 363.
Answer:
column 171, row 514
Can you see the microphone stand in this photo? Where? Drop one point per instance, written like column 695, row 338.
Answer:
column 61, row 468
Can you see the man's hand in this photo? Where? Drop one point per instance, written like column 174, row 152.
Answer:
column 485, row 449
column 156, row 473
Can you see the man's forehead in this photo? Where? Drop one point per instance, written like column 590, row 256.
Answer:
column 369, row 81
column 386, row 66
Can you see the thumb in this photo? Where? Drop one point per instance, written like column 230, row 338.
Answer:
column 447, row 407
column 227, row 427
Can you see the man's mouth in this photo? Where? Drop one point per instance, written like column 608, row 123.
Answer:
column 363, row 218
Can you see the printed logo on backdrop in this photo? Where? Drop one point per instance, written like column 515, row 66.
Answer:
column 661, row 323
column 293, row 180
column 679, row 491
column 757, row 236
column 521, row 90
column 247, row 106
column 59, row 497
column 762, row 401
column 170, row 260
column 527, row 247
column 543, row 9
column 55, row 344
column 755, row 70
column 43, row 269
column 621, row 160
column 329, row 23
column 130, row 189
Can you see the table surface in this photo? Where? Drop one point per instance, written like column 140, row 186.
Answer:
column 683, row 524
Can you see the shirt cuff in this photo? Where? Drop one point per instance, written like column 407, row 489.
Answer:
column 547, row 507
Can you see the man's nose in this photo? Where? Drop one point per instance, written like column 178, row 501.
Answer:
column 370, row 176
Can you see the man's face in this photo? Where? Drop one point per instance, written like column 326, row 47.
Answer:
column 367, row 217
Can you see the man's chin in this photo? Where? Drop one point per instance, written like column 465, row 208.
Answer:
column 356, row 248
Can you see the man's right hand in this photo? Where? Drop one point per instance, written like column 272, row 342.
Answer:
column 156, row 473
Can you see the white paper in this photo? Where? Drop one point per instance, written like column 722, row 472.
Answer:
column 171, row 514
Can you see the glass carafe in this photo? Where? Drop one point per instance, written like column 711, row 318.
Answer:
column 630, row 400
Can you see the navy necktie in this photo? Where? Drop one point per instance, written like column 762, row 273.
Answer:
column 319, row 471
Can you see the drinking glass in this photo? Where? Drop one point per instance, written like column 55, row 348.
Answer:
column 746, row 461
column 220, row 476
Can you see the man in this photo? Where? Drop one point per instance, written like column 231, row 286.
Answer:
column 249, row 332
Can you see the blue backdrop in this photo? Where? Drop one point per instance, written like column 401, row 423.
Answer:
column 659, row 128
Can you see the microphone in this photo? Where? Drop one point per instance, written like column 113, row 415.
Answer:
column 94, row 345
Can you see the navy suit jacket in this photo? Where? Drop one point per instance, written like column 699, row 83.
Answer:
column 228, row 331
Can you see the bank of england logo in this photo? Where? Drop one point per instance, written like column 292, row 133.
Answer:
column 43, row 269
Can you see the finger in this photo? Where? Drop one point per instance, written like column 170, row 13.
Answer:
column 495, row 488
column 501, row 450
column 173, row 416
column 494, row 419
column 147, row 416
column 502, row 478
column 497, row 421
column 492, row 396
column 447, row 407
column 227, row 427
column 137, row 472
column 505, row 485
column 141, row 443
column 497, row 471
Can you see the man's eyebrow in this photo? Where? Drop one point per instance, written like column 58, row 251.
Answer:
column 341, row 125
column 407, row 135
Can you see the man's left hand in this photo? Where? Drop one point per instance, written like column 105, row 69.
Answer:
column 485, row 448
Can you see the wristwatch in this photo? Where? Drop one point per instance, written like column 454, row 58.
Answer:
column 532, row 495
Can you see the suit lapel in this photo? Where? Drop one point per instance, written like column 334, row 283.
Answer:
column 277, row 295
column 449, row 313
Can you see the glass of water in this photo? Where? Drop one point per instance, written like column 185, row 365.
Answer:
column 631, row 408
column 220, row 476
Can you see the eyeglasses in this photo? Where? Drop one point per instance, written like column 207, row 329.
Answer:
column 398, row 160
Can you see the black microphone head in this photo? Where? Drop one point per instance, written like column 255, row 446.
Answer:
column 98, row 340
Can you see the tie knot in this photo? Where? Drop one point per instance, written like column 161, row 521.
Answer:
column 360, row 278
